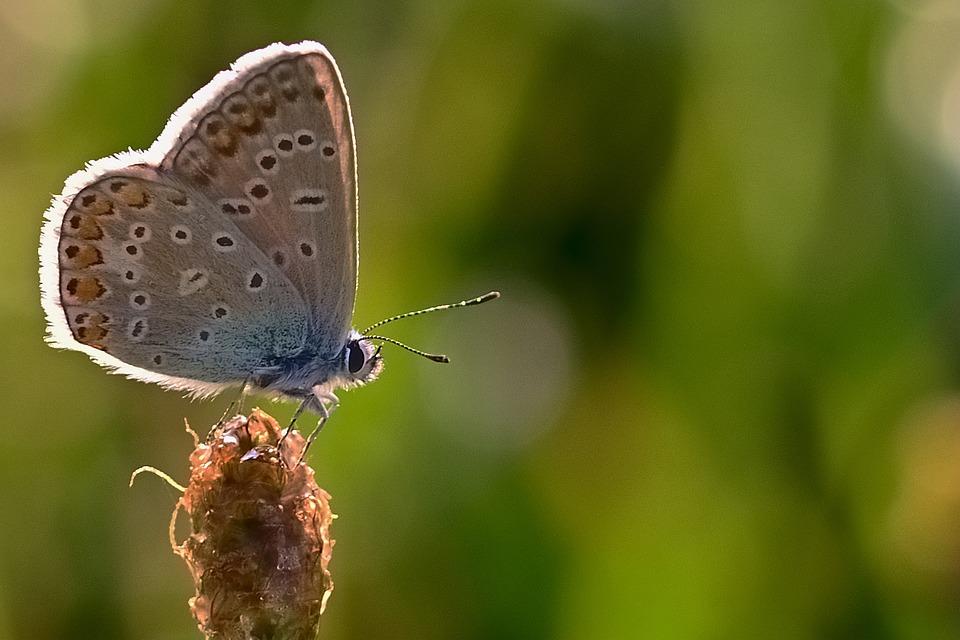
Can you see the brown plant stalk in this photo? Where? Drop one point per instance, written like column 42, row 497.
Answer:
column 259, row 544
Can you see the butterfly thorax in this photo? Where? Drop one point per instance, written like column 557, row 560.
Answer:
column 299, row 376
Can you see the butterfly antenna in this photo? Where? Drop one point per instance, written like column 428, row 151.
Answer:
column 493, row 295
column 436, row 357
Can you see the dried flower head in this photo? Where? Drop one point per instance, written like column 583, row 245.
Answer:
column 259, row 542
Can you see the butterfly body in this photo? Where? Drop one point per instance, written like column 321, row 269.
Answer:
column 311, row 375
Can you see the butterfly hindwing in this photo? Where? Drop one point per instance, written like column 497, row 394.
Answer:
column 149, row 277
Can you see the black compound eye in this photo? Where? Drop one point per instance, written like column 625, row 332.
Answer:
column 355, row 357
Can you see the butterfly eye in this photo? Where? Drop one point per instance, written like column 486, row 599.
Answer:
column 355, row 357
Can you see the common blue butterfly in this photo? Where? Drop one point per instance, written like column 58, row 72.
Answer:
column 226, row 253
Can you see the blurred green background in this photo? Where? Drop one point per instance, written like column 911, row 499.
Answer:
column 720, row 397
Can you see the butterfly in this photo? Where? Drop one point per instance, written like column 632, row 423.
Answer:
column 225, row 254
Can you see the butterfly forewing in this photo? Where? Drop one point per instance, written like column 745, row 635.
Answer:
column 274, row 151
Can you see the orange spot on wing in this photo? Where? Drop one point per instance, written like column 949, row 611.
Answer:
column 88, row 229
column 95, row 204
column 83, row 256
column 224, row 142
column 93, row 331
column 86, row 288
column 134, row 195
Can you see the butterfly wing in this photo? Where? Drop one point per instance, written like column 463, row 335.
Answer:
column 229, row 244
column 150, row 283
column 274, row 137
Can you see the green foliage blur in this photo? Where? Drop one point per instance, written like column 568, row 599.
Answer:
column 720, row 397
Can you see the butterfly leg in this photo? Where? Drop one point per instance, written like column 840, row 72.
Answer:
column 238, row 402
column 226, row 412
column 331, row 399
column 293, row 420
column 325, row 415
column 244, row 389
column 327, row 402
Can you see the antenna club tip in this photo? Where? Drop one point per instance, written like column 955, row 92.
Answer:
column 441, row 359
column 493, row 295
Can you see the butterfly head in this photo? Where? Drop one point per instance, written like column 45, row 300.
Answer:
column 361, row 361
